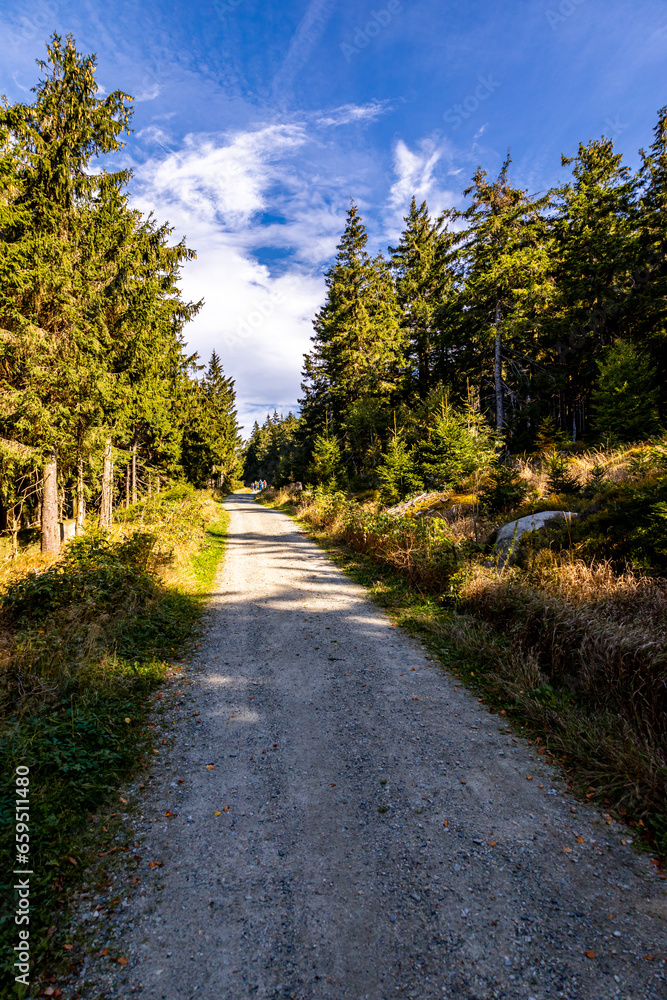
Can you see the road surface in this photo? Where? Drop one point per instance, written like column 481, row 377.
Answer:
column 351, row 824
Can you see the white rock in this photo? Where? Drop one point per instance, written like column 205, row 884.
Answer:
column 509, row 534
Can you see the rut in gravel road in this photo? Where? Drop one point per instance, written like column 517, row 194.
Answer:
column 378, row 836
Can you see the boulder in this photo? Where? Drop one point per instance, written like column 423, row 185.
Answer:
column 508, row 535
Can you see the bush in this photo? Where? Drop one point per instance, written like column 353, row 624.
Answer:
column 559, row 478
column 504, row 490
column 421, row 548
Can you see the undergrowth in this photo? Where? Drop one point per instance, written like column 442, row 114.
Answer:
column 85, row 639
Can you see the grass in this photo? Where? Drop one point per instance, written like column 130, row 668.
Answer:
column 85, row 641
column 570, row 650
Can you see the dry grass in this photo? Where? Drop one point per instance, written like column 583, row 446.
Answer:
column 602, row 637
column 619, row 464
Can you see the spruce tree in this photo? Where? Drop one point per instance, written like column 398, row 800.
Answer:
column 358, row 343
column 53, row 345
column 211, row 441
column 594, row 229
column 648, row 314
column 326, row 467
column 457, row 444
column 397, row 474
column 422, row 280
column 506, row 257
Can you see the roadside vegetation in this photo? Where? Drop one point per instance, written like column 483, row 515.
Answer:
column 84, row 639
column 567, row 638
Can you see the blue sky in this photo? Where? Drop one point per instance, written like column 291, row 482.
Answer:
column 257, row 120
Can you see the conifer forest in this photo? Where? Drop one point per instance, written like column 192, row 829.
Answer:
column 99, row 399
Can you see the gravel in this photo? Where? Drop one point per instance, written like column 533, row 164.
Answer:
column 351, row 825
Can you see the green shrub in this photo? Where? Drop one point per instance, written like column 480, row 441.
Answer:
column 504, row 490
column 559, row 478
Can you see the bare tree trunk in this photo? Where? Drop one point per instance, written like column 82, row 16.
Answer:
column 16, row 524
column 80, row 496
column 127, row 486
column 150, row 484
column 106, row 499
column 50, row 526
column 134, row 473
column 498, row 371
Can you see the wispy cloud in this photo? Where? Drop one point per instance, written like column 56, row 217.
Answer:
column 306, row 37
column 415, row 172
column 353, row 113
column 225, row 177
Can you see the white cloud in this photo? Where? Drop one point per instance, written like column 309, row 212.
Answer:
column 249, row 201
column 353, row 113
column 149, row 89
column 415, row 172
column 154, row 135
column 225, row 178
column 212, row 190
column 260, row 324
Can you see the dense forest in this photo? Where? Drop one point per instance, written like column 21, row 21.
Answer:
column 518, row 323
column 99, row 400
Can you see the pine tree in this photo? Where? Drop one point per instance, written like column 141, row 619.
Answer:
column 594, row 228
column 504, row 489
column 211, row 440
column 648, row 315
column 397, row 474
column 457, row 445
column 560, row 479
column 326, row 465
column 52, row 345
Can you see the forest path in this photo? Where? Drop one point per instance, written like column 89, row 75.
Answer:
column 339, row 751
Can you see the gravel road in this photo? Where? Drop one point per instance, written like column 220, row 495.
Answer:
column 351, row 826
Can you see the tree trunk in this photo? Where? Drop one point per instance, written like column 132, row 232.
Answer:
column 107, row 486
column 498, row 371
column 50, row 526
column 80, row 496
column 134, row 473
column 127, row 486
column 16, row 524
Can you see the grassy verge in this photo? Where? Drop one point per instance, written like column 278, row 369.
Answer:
column 85, row 640
column 568, row 653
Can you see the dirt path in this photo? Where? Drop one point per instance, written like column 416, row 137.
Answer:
column 341, row 753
